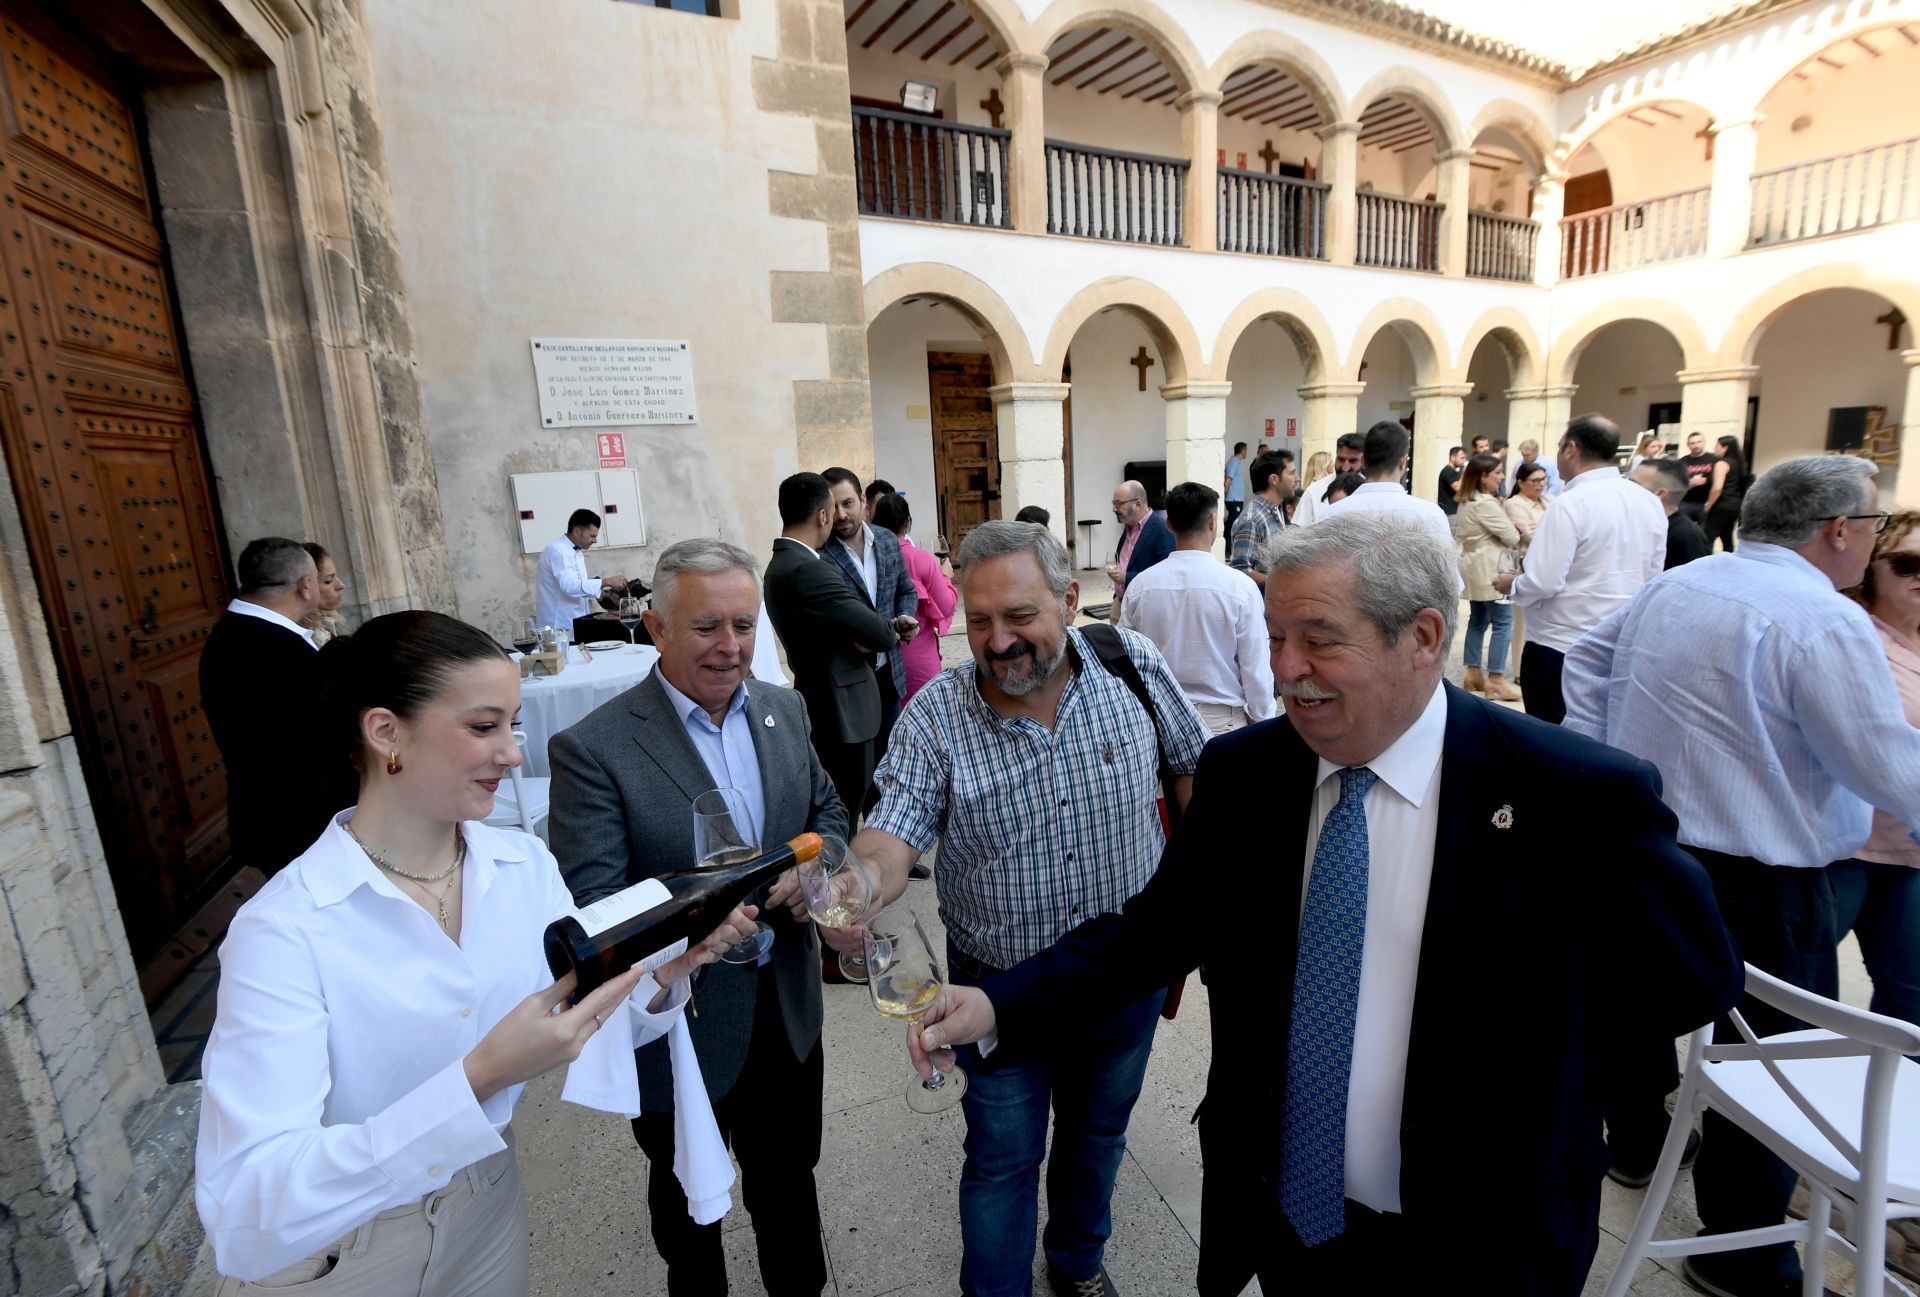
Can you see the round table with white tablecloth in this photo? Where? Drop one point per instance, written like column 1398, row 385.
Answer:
column 549, row 704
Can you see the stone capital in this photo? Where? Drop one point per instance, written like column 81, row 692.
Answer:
column 1440, row 389
column 1453, row 155
column 1911, row 357
column 1208, row 98
column 1021, row 61
column 1196, row 388
column 1721, row 374
column 1338, row 128
column 1749, row 122
column 1320, row 391
column 1540, row 393
column 1001, row 393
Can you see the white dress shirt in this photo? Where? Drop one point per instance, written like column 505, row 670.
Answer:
column 335, row 1079
column 1391, row 498
column 1313, row 501
column 1210, row 624
column 1602, row 541
column 869, row 574
column 1403, row 819
column 247, row 608
column 562, row 590
column 1764, row 697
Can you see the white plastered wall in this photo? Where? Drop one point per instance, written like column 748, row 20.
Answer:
column 1626, row 368
column 542, row 207
column 1485, row 413
column 1114, row 422
column 1267, row 374
column 1389, row 379
column 1823, row 352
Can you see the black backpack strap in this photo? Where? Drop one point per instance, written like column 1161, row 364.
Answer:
column 1111, row 649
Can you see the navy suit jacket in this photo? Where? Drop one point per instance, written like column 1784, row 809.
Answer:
column 1155, row 543
column 892, row 583
column 1568, row 928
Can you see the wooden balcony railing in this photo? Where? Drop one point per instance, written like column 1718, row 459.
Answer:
column 1106, row 194
column 1397, row 233
column 1277, row 216
column 1500, row 247
column 1628, row 235
column 929, row 170
column 1832, row 195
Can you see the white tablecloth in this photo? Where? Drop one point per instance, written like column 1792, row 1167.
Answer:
column 548, row 704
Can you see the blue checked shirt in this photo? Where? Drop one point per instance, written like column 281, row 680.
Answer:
column 1257, row 524
column 1764, row 697
column 1039, row 829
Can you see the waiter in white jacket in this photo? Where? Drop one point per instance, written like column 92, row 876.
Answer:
column 563, row 591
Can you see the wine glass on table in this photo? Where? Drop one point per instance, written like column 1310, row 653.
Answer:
column 903, row 977
column 724, row 834
column 630, row 609
column 838, row 889
column 526, row 636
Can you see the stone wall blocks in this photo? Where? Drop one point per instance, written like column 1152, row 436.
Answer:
column 804, row 198
column 828, row 403
column 835, row 141
column 830, row 35
column 795, row 21
column 812, row 297
column 797, row 88
column 847, row 352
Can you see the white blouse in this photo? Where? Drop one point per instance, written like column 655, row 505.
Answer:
column 334, row 1079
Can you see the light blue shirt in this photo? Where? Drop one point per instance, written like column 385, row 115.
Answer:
column 727, row 749
column 1764, row 697
column 1546, row 462
column 1236, row 479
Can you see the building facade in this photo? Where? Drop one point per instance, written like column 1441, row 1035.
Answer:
column 272, row 267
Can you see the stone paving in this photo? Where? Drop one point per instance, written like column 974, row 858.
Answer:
column 888, row 1176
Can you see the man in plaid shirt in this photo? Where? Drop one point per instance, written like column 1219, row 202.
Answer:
column 1035, row 770
column 1272, row 480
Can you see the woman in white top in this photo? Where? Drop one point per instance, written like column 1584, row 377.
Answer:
column 384, row 1000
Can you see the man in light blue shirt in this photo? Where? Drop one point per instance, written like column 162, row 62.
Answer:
column 1529, row 456
column 1235, row 492
column 1765, row 698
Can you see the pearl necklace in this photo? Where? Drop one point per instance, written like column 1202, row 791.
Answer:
column 459, row 858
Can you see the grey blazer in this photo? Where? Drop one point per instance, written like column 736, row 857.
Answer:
column 624, row 780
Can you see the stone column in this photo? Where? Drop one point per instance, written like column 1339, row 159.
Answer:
column 1200, row 129
column 1197, row 434
column 1023, row 87
column 1906, row 494
column 1549, row 208
column 1032, row 438
column 1439, row 417
column 1713, row 402
column 1451, row 188
column 1339, row 165
column 1730, row 207
column 1538, row 414
column 1327, row 411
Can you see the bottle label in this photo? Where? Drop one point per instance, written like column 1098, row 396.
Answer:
column 609, row 911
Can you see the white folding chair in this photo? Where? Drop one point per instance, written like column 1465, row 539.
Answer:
column 1840, row 1104
column 522, row 805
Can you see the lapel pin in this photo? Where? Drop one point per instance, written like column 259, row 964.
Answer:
column 1503, row 818
column 769, row 722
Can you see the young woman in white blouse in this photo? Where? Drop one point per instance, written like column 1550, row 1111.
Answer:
column 384, row 1000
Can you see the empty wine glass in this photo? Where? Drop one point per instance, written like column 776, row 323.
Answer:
column 630, row 610
column 838, row 888
column 903, row 977
column 724, row 834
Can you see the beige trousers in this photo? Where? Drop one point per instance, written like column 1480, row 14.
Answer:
column 1222, row 719
column 466, row 1240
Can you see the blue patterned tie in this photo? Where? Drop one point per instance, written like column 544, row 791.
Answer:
column 1326, row 993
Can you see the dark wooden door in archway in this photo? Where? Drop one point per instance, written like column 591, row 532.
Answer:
column 109, row 470
column 966, row 442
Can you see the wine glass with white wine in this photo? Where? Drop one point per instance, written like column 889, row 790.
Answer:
column 724, row 834
column 903, row 977
column 838, row 888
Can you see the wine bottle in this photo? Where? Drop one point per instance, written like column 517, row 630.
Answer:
column 652, row 921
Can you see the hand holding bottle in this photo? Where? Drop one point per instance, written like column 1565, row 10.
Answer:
column 737, row 927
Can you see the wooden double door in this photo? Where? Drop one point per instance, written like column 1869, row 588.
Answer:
column 109, row 469
column 966, row 442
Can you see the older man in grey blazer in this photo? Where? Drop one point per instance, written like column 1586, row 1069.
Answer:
column 624, row 781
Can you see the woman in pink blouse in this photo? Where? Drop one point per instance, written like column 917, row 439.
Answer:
column 938, row 598
column 1877, row 894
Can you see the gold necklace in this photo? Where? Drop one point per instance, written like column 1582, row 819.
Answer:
column 459, row 858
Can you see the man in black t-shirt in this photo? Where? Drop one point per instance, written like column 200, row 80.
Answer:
column 1666, row 479
column 1698, row 461
column 1450, row 482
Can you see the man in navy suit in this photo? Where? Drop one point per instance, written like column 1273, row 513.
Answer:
column 1145, row 539
column 1460, row 914
column 869, row 559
